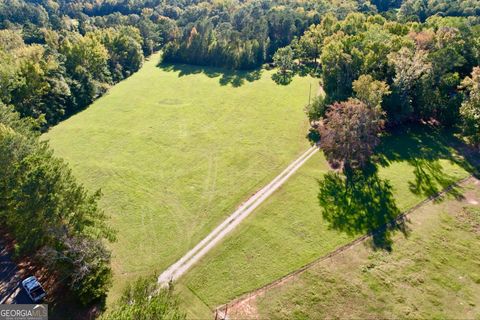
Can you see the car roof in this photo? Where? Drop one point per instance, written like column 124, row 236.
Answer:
column 31, row 282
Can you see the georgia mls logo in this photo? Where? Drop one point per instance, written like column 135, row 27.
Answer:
column 40, row 311
column 23, row 312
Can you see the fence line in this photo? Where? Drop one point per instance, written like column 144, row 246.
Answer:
column 221, row 310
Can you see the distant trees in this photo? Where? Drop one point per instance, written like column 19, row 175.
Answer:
column 244, row 35
column 407, row 71
column 52, row 217
column 308, row 47
column 350, row 132
column 409, row 67
column 470, row 110
column 143, row 300
column 52, row 69
column 420, row 10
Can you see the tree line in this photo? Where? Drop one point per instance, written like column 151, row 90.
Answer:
column 52, row 218
column 58, row 56
column 244, row 35
column 380, row 73
column 65, row 73
column 54, row 64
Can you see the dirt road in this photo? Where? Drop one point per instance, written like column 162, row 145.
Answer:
column 176, row 270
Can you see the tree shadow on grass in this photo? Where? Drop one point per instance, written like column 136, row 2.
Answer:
column 360, row 202
column 283, row 78
column 226, row 77
column 423, row 147
column 308, row 69
column 430, row 179
column 468, row 152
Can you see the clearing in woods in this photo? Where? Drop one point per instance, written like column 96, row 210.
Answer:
column 175, row 149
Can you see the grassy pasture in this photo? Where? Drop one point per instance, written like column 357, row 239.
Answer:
column 289, row 229
column 431, row 274
column 175, row 149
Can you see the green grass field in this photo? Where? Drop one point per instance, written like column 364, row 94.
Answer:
column 289, row 230
column 175, row 149
column 434, row 273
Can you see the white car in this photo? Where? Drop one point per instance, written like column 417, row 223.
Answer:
column 33, row 289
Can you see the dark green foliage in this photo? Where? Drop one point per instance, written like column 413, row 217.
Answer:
column 50, row 68
column 420, row 66
column 52, row 217
column 243, row 35
column 470, row 110
column 316, row 109
column 385, row 5
column 143, row 300
column 420, row 10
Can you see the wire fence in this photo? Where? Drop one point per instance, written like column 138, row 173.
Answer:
column 222, row 312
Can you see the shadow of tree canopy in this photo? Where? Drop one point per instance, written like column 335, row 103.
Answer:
column 422, row 147
column 308, row 69
column 360, row 202
column 302, row 70
column 430, row 179
column 283, row 78
column 233, row 77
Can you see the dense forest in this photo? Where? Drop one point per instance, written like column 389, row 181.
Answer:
column 381, row 63
column 404, row 71
column 59, row 56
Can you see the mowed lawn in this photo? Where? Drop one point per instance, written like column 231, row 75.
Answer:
column 175, row 149
column 289, row 229
column 434, row 273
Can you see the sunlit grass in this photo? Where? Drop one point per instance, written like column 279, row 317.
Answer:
column 175, row 149
column 289, row 229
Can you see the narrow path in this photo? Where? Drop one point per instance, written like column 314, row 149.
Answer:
column 177, row 269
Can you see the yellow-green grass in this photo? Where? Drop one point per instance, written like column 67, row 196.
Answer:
column 434, row 273
column 175, row 149
column 288, row 231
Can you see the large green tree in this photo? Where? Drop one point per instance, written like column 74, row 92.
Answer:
column 370, row 91
column 283, row 59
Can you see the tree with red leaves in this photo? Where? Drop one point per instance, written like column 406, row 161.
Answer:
column 350, row 132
